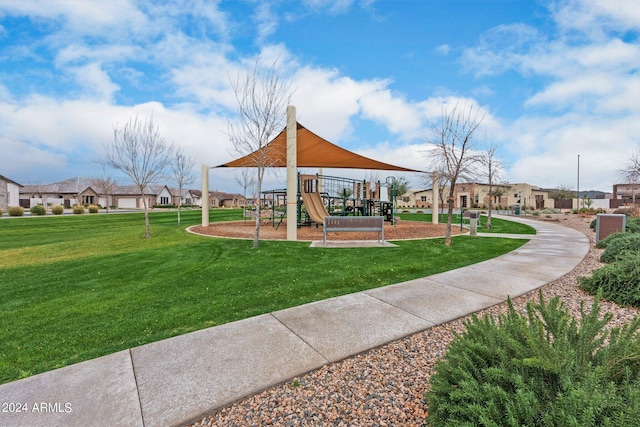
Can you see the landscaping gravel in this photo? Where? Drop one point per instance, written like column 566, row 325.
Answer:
column 385, row 386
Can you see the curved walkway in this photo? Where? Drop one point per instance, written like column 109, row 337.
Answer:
column 180, row 379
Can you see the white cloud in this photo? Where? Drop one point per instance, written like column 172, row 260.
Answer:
column 94, row 80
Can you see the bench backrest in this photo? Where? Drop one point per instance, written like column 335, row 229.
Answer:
column 335, row 222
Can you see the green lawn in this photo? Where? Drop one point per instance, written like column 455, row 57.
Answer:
column 78, row 287
column 497, row 225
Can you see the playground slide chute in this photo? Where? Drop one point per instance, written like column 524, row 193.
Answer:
column 315, row 207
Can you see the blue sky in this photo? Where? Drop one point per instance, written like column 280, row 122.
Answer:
column 555, row 79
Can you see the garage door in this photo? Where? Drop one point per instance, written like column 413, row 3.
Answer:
column 127, row 202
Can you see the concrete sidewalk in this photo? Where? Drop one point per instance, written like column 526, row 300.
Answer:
column 180, row 379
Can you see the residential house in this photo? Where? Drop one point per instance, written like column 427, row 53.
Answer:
column 476, row 195
column 9, row 193
column 67, row 193
column 625, row 194
column 129, row 197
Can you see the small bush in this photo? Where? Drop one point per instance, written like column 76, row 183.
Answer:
column 93, row 209
column 0, row 212
column 592, row 224
column 78, row 209
column 618, row 282
column 632, row 225
column 57, row 209
column 620, row 246
column 610, row 238
column 15, row 211
column 542, row 368
column 38, row 210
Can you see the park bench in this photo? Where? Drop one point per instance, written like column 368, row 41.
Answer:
column 354, row 224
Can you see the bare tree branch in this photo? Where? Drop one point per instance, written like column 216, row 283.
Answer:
column 182, row 168
column 262, row 95
column 453, row 141
column 492, row 169
column 142, row 154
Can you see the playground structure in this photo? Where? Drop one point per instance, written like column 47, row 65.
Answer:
column 323, row 196
column 297, row 147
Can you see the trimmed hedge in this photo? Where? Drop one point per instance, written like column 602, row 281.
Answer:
column 78, row 209
column 542, row 368
column 93, row 209
column 57, row 209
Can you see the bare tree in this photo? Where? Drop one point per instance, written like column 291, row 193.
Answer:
column 492, row 169
column 246, row 179
column 562, row 192
column 262, row 94
column 182, row 167
column 106, row 187
column 631, row 173
column 142, row 154
column 453, row 140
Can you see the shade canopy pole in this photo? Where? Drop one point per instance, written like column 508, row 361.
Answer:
column 292, row 174
column 205, row 195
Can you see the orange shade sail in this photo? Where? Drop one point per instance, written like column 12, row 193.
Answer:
column 313, row 152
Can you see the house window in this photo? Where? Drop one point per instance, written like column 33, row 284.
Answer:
column 164, row 200
column 87, row 200
column 477, row 198
column 423, row 198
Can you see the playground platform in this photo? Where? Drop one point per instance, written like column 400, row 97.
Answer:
column 181, row 379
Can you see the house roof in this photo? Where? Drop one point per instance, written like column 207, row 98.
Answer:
column 4, row 178
column 313, row 152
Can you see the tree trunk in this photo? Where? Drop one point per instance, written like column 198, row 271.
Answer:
column 490, row 208
column 447, row 238
column 256, row 236
column 146, row 218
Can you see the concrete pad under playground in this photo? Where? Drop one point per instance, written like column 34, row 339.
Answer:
column 177, row 380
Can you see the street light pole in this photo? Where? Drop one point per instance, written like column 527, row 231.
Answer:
column 578, row 198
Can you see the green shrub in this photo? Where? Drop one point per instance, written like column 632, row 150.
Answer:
column 15, row 211
column 0, row 212
column 57, row 209
column 610, row 238
column 620, row 246
column 93, row 209
column 618, row 282
column 592, row 224
column 38, row 210
column 78, row 209
column 542, row 368
column 632, row 225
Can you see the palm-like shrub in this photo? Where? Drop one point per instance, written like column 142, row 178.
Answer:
column 542, row 368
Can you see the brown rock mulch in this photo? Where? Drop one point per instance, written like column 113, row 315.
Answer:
column 400, row 231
